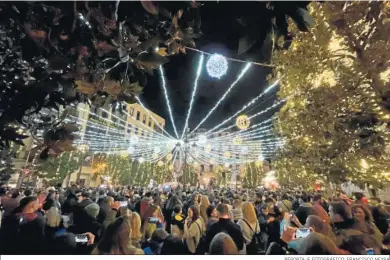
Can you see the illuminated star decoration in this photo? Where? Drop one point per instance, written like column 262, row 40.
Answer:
column 217, row 66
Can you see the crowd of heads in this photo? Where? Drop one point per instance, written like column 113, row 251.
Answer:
column 129, row 220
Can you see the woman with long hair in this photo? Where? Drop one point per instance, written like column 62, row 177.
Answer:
column 249, row 224
column 116, row 240
column 136, row 234
column 193, row 229
column 151, row 221
column 364, row 222
column 204, row 204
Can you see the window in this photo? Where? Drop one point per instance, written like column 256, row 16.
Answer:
column 150, row 124
column 144, row 119
column 114, row 119
column 138, row 115
column 202, row 168
column 211, row 167
column 131, row 111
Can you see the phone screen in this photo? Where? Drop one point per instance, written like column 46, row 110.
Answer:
column 302, row 232
column 123, row 203
column 81, row 238
column 153, row 220
column 370, row 251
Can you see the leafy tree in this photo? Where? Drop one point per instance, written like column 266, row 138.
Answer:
column 254, row 175
column 6, row 165
column 336, row 79
column 56, row 169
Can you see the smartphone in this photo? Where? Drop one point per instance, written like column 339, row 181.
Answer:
column 370, row 251
column 153, row 220
column 302, row 232
column 81, row 238
column 123, row 203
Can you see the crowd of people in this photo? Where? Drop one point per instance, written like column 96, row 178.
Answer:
column 139, row 221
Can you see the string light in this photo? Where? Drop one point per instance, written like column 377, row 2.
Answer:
column 167, row 100
column 246, row 68
column 217, row 66
column 198, row 72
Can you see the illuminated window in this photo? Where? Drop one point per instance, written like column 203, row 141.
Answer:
column 138, row 115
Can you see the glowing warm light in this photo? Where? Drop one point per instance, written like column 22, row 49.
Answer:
column 217, row 66
column 141, row 160
column 237, row 140
column 170, row 167
column 169, row 157
column 160, row 163
column 227, row 155
column 208, row 148
column 364, row 164
column 243, row 122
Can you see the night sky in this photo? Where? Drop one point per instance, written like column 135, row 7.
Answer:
column 180, row 72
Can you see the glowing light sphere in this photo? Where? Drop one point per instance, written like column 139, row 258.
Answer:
column 237, row 140
column 244, row 150
column 243, row 122
column 259, row 163
column 141, row 160
column 170, row 167
column 260, row 158
column 217, row 66
column 157, row 149
column 134, row 139
column 227, row 165
column 160, row 163
column 171, row 144
column 202, row 139
column 207, row 148
column 169, row 157
column 131, row 150
column 227, row 154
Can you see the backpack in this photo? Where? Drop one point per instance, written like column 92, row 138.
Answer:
column 201, row 247
column 255, row 246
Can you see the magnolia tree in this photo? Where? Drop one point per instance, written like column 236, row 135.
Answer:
column 336, row 82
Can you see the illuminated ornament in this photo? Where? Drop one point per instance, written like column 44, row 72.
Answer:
column 202, row 139
column 131, row 150
column 171, row 144
column 364, row 164
column 243, row 122
column 157, row 150
column 160, row 163
column 244, row 150
column 134, row 139
column 169, row 157
column 217, row 66
column 260, row 158
column 208, row 148
column 227, row 165
column 141, row 160
column 237, row 140
column 227, row 154
column 170, row 167
column 259, row 163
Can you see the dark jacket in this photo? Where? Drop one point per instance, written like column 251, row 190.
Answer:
column 23, row 234
column 80, row 216
column 304, row 211
column 229, row 227
column 69, row 203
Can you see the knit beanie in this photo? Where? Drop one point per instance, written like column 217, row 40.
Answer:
column 92, row 210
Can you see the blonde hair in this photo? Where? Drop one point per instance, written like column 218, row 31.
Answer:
column 204, row 204
column 237, row 203
column 248, row 212
column 53, row 217
column 135, row 223
column 149, row 228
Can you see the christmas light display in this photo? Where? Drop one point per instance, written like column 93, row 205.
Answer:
column 217, row 66
column 243, row 122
